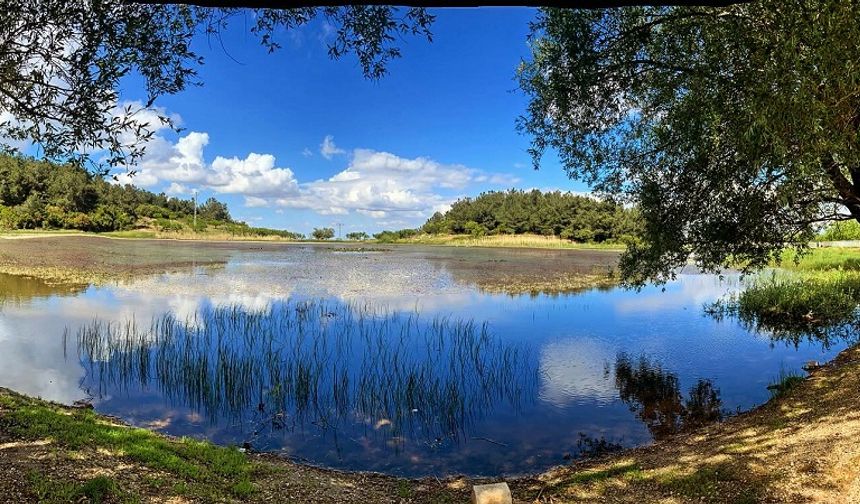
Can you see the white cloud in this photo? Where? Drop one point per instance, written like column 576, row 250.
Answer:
column 176, row 189
column 182, row 164
column 255, row 202
column 328, row 148
column 254, row 175
column 307, row 152
column 379, row 185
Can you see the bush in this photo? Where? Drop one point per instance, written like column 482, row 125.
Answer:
column 475, row 229
column 839, row 231
column 323, row 233
column 109, row 218
column 9, row 218
column 79, row 220
column 55, row 217
column 168, row 225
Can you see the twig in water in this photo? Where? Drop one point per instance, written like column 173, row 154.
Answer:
column 480, row 438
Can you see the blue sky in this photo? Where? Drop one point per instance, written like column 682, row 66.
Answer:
column 295, row 140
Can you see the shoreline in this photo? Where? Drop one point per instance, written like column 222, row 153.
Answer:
column 27, row 234
column 726, row 461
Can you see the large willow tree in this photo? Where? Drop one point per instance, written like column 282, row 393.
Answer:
column 734, row 129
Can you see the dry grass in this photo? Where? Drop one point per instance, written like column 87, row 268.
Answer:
column 516, row 241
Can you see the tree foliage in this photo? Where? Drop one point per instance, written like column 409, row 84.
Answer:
column 357, row 236
column 40, row 194
column 555, row 213
column 325, row 233
column 734, row 130
column 61, row 64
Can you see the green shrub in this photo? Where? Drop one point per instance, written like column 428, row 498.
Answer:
column 842, row 230
column 109, row 218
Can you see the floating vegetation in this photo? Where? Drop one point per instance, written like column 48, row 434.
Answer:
column 326, row 364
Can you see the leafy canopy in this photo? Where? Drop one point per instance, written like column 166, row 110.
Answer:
column 61, row 64
column 554, row 213
column 733, row 129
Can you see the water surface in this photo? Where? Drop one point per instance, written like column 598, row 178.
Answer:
column 392, row 360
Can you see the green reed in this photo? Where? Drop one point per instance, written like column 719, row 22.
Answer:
column 319, row 362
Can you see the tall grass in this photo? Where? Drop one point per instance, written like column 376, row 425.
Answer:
column 784, row 382
column 822, row 259
column 314, row 362
column 816, row 304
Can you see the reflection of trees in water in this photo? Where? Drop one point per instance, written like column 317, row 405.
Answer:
column 655, row 396
column 327, row 364
column 18, row 289
column 789, row 331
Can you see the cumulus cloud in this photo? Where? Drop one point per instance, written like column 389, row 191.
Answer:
column 254, row 175
column 182, row 164
column 328, row 149
column 378, row 184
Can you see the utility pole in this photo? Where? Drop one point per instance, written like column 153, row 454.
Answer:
column 195, row 210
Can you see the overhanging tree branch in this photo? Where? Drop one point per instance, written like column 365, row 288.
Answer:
column 293, row 4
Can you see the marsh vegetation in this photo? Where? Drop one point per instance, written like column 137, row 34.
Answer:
column 300, row 363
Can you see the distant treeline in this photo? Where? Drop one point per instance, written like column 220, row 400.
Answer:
column 568, row 216
column 40, row 194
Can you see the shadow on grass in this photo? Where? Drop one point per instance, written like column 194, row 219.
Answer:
column 204, row 467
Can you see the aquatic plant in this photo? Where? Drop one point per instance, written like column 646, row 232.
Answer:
column 817, row 306
column 784, row 382
column 306, row 362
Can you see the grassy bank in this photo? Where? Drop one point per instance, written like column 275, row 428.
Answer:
column 812, row 292
column 799, row 447
column 53, row 453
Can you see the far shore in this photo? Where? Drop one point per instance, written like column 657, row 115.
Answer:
column 498, row 241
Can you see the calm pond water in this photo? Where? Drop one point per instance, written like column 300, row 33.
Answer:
column 390, row 361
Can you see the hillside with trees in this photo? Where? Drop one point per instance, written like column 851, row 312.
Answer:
column 38, row 194
column 562, row 214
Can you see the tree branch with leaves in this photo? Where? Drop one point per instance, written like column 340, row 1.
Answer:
column 733, row 129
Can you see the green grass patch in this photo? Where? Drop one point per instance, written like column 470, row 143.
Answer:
column 95, row 491
column 627, row 471
column 784, row 382
column 785, row 300
column 200, row 464
column 711, row 484
column 821, row 259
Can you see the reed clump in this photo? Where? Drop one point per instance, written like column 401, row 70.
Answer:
column 303, row 362
column 804, row 301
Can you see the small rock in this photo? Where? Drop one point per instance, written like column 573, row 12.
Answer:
column 811, row 365
column 494, row 493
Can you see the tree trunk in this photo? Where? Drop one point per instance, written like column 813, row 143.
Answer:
column 849, row 190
